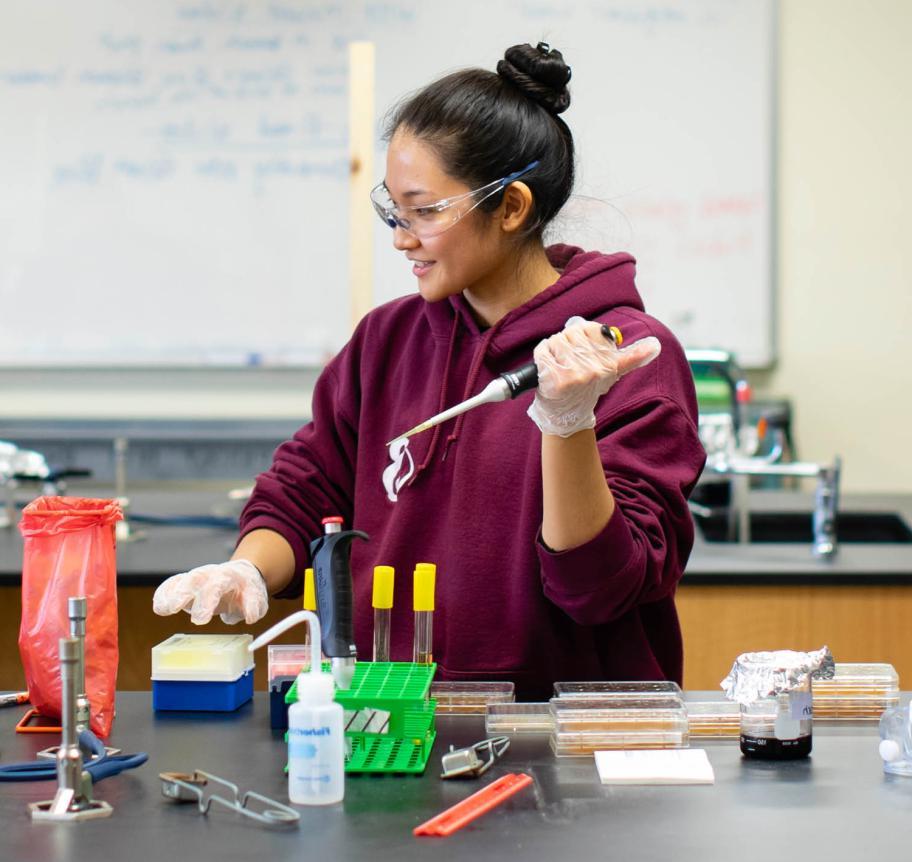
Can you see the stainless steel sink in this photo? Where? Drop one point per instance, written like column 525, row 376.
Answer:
column 797, row 527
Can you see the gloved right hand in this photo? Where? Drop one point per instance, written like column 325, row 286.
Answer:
column 234, row 590
column 575, row 368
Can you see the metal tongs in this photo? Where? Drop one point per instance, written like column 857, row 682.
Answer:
column 466, row 763
column 184, row 787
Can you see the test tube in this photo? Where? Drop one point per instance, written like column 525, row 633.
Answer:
column 423, row 601
column 310, row 602
column 383, row 604
column 310, row 592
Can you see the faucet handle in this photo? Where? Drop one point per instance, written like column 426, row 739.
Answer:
column 826, row 509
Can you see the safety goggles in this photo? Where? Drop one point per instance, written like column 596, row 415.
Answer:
column 427, row 220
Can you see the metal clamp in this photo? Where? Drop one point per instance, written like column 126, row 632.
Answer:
column 188, row 787
column 466, row 762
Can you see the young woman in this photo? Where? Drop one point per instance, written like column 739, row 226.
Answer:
column 559, row 539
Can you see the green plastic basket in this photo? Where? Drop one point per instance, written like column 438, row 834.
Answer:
column 400, row 689
column 389, row 752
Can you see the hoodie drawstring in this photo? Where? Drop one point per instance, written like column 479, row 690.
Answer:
column 474, row 371
column 441, row 401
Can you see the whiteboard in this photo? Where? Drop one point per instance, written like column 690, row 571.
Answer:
column 174, row 175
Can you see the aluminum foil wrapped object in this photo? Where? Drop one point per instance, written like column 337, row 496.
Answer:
column 756, row 675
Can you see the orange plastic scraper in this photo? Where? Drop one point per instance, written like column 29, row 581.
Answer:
column 447, row 822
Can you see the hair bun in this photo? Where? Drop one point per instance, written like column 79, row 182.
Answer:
column 540, row 73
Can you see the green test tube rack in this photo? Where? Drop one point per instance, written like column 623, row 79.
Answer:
column 401, row 689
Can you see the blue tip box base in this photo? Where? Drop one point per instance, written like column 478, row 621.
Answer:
column 202, row 696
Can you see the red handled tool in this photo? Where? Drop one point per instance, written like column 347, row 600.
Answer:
column 447, row 822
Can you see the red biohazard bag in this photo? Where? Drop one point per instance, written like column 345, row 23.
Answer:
column 69, row 551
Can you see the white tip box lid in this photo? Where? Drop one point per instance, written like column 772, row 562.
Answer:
column 202, row 658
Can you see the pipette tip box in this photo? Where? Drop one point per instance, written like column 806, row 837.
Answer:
column 202, row 673
column 285, row 662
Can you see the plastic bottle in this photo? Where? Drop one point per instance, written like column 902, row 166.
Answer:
column 316, row 748
column 316, row 743
column 896, row 740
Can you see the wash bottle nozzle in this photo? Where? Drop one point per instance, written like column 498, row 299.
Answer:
column 383, row 604
column 290, row 622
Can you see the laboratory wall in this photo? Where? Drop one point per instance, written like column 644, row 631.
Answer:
column 844, row 235
column 844, row 272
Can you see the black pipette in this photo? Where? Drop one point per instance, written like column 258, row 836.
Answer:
column 333, row 581
column 502, row 388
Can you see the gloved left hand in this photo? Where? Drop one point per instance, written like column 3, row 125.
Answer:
column 234, row 590
column 575, row 368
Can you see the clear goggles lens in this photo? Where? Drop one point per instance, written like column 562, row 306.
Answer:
column 427, row 220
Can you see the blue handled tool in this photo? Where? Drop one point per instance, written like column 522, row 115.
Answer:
column 102, row 765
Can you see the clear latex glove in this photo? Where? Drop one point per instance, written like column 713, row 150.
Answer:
column 234, row 590
column 575, row 368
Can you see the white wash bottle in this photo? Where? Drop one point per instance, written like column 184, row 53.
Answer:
column 316, row 748
column 316, row 745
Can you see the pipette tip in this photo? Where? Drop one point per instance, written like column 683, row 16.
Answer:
column 423, row 426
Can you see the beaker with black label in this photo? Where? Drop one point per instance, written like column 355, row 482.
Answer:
column 778, row 727
column 774, row 691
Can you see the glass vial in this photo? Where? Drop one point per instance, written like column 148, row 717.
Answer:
column 779, row 727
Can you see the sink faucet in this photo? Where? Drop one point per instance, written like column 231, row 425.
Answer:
column 826, row 505
column 826, row 498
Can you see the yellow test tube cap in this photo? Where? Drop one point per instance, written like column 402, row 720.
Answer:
column 310, row 591
column 423, row 590
column 383, row 586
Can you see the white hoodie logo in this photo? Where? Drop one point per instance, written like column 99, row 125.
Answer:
column 392, row 480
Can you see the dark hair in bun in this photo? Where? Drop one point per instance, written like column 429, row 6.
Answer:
column 541, row 74
column 484, row 126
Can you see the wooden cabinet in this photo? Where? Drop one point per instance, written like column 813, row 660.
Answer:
column 857, row 623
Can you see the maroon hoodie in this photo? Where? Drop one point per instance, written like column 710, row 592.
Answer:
column 507, row 608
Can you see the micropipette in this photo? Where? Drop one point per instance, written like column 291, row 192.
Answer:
column 502, row 388
column 333, row 581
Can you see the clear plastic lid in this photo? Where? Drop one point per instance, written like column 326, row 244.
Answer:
column 201, row 658
column 633, row 700
column 616, row 720
column 470, row 698
column 859, row 677
column 518, row 718
column 868, row 711
column 583, row 744
column 713, row 719
column 602, row 688
column 856, row 691
column 712, row 710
